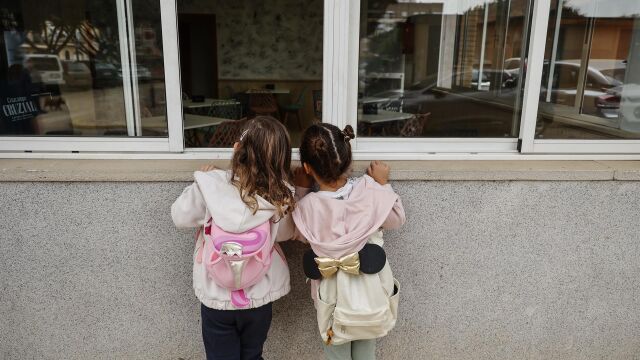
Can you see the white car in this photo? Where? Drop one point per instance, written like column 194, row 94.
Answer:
column 46, row 67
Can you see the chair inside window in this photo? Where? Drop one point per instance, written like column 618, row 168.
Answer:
column 263, row 102
column 317, row 105
column 226, row 109
column 227, row 133
column 414, row 126
column 293, row 109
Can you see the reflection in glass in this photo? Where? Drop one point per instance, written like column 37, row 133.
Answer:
column 148, row 69
column 241, row 58
column 591, row 71
column 61, row 69
column 441, row 69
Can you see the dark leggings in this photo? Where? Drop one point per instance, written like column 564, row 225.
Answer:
column 235, row 334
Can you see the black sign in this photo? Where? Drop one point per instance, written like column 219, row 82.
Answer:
column 19, row 108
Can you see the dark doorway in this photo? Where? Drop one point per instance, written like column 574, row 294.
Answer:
column 198, row 54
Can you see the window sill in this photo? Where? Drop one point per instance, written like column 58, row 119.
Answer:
column 182, row 170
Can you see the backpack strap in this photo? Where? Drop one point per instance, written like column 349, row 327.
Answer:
column 207, row 230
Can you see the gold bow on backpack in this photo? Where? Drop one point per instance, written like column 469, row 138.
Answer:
column 348, row 263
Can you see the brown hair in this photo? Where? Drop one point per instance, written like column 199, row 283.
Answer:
column 261, row 164
column 327, row 150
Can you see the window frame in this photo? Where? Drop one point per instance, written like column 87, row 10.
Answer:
column 366, row 148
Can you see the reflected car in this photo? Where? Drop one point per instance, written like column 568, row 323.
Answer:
column 142, row 73
column 608, row 104
column 105, row 75
column 45, row 68
column 77, row 74
column 565, row 82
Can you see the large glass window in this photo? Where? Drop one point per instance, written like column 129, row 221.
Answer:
column 591, row 76
column 242, row 58
column 441, row 68
column 66, row 68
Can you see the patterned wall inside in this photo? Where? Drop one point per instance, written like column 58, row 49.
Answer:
column 271, row 39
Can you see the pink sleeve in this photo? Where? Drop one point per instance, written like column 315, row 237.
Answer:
column 396, row 217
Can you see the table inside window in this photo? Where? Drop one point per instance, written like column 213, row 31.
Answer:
column 383, row 119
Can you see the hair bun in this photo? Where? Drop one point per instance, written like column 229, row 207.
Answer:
column 318, row 144
column 348, row 133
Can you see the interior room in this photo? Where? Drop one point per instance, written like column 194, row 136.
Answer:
column 239, row 59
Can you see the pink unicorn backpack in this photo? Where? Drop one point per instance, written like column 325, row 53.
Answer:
column 237, row 261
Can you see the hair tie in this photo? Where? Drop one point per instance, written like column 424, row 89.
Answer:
column 348, row 133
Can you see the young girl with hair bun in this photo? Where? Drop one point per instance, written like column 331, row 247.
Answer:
column 353, row 288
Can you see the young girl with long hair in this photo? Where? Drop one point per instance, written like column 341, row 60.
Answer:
column 253, row 197
column 355, row 294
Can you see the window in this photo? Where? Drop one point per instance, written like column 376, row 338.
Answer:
column 441, row 69
column 415, row 78
column 591, row 72
column 239, row 59
column 80, row 69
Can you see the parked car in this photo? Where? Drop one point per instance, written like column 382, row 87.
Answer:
column 141, row 73
column 77, row 74
column 565, row 85
column 609, row 103
column 105, row 74
column 45, row 68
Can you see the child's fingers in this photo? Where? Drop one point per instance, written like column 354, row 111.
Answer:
column 205, row 168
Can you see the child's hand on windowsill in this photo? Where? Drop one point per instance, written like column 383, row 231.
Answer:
column 208, row 167
column 379, row 171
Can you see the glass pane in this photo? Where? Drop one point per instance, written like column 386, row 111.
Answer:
column 239, row 58
column 148, row 70
column 591, row 74
column 61, row 68
column 448, row 69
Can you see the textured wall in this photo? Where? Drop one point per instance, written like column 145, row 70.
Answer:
column 489, row 270
column 274, row 39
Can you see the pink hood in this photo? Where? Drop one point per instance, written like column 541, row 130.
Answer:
column 335, row 227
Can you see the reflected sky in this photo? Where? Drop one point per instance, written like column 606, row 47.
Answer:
column 605, row 8
column 587, row 8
